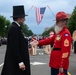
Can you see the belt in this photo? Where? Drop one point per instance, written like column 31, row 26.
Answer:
column 56, row 48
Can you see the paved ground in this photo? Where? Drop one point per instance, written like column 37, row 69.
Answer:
column 39, row 63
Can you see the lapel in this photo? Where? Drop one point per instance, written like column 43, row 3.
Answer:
column 13, row 23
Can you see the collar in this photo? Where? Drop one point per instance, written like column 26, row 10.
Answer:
column 17, row 23
column 62, row 29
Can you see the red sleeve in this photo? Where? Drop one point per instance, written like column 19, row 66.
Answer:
column 46, row 41
column 66, row 46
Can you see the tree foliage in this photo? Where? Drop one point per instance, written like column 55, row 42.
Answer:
column 26, row 30
column 45, row 33
column 72, row 21
column 4, row 25
column 7, row 24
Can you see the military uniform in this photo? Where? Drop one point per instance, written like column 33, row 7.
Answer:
column 59, row 56
column 61, row 49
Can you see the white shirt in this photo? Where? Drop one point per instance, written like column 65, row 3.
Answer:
column 17, row 23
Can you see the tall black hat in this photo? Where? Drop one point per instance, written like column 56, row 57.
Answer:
column 18, row 11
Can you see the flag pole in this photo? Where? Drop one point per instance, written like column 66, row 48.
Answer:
column 51, row 11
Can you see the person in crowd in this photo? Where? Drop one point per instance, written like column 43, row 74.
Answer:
column 17, row 60
column 34, row 48
column 74, row 41
column 59, row 57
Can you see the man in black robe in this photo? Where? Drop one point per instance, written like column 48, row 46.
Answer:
column 17, row 60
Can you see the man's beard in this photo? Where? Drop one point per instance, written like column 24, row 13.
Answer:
column 21, row 24
column 58, row 28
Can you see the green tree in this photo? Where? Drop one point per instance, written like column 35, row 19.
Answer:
column 2, row 25
column 7, row 24
column 45, row 33
column 72, row 21
column 30, row 33
column 26, row 30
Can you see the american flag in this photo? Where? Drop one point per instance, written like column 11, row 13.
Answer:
column 39, row 14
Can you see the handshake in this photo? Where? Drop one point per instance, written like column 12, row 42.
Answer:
column 34, row 43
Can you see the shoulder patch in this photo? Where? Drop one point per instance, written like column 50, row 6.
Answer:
column 66, row 34
column 66, row 42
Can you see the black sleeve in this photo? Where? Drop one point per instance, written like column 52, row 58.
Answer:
column 14, row 44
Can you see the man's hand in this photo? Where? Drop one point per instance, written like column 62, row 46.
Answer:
column 61, row 70
column 22, row 67
column 34, row 43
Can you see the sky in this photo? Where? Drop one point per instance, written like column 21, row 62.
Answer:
column 6, row 9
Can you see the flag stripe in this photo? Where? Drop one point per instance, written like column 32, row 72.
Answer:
column 39, row 14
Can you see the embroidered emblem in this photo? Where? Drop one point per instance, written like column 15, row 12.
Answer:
column 66, row 35
column 66, row 42
column 58, row 37
column 65, row 55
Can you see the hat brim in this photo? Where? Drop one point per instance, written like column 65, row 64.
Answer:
column 26, row 15
column 60, row 19
column 19, row 16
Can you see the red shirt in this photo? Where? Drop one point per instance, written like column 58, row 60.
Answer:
column 62, row 41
